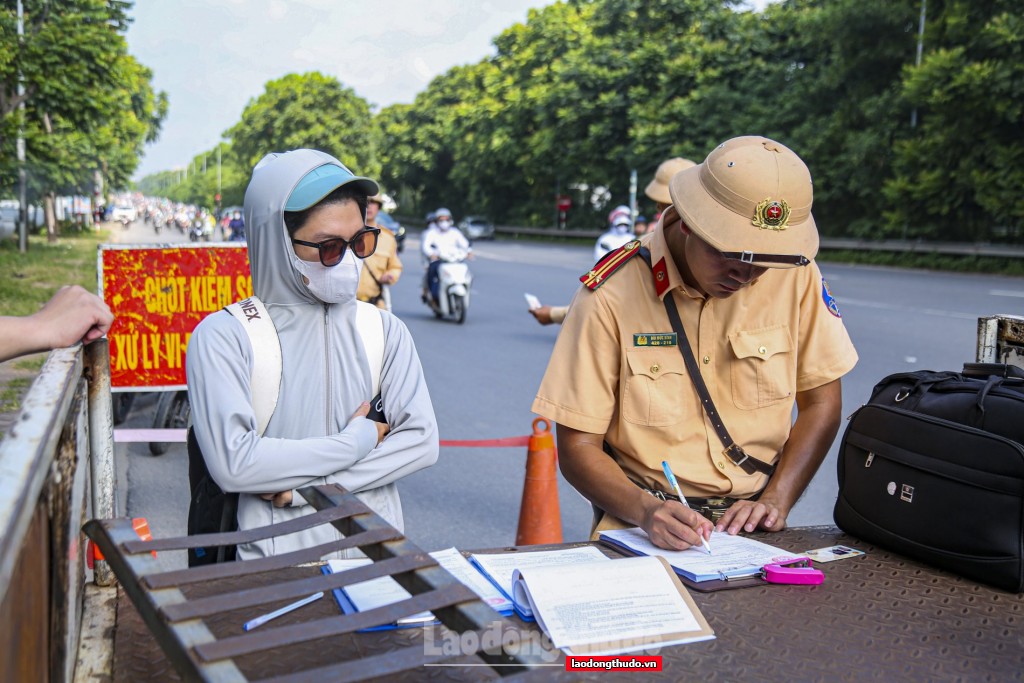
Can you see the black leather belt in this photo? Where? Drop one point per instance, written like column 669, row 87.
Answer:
column 712, row 508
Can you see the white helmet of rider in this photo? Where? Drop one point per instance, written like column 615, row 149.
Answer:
column 621, row 224
column 617, row 213
column 444, row 218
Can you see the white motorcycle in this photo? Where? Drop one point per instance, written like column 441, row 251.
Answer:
column 454, row 284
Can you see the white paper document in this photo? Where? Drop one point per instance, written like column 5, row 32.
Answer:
column 731, row 555
column 611, row 607
column 499, row 567
column 459, row 567
column 374, row 593
column 532, row 302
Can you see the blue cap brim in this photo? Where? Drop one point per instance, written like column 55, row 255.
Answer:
column 323, row 180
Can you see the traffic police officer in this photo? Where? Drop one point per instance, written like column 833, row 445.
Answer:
column 733, row 255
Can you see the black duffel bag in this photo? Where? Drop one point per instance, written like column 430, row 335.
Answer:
column 932, row 467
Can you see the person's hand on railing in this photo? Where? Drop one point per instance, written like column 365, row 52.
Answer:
column 71, row 315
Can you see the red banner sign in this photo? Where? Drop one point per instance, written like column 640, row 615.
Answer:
column 158, row 295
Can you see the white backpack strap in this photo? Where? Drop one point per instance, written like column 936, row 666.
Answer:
column 370, row 325
column 266, row 350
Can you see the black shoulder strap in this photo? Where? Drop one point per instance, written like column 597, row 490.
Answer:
column 733, row 451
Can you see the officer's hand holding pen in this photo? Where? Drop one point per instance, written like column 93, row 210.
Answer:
column 672, row 525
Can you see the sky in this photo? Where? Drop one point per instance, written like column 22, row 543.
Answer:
column 212, row 57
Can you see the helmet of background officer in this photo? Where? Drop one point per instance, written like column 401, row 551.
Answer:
column 657, row 189
column 373, row 206
column 617, row 213
column 640, row 226
column 746, row 208
column 443, row 217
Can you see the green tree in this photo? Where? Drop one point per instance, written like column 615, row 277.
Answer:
column 959, row 175
column 307, row 110
column 88, row 105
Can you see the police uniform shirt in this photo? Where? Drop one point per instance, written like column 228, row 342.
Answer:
column 616, row 369
column 383, row 260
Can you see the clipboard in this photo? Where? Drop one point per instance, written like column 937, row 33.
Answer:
column 711, row 586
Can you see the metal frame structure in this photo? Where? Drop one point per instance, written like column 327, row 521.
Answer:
column 183, row 624
column 1001, row 340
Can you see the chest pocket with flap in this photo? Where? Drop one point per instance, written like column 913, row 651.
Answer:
column 656, row 387
column 764, row 370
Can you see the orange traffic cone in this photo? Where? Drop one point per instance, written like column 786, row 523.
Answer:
column 540, row 520
column 141, row 527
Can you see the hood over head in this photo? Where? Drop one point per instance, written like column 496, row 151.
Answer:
column 274, row 179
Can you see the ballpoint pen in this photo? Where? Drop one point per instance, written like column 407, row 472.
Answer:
column 259, row 621
column 682, row 499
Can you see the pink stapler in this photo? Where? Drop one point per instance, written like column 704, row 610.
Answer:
column 793, row 570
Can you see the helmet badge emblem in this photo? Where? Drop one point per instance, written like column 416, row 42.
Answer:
column 771, row 214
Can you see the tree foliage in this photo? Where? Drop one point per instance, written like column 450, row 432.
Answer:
column 586, row 91
column 307, row 110
column 88, row 105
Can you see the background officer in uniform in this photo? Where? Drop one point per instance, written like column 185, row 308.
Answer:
column 732, row 253
column 382, row 268
column 656, row 190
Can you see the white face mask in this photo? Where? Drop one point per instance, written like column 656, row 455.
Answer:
column 334, row 285
column 444, row 224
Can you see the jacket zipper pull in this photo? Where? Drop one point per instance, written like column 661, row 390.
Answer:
column 867, row 463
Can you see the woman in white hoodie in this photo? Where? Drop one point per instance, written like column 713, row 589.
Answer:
column 305, row 228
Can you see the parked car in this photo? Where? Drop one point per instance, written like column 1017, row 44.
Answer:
column 477, row 228
column 8, row 218
column 125, row 213
column 385, row 220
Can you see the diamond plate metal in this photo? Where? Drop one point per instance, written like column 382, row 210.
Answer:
column 877, row 617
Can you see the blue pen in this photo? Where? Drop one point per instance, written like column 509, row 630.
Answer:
column 259, row 621
column 682, row 499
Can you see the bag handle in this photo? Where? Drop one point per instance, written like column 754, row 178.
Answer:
column 984, row 370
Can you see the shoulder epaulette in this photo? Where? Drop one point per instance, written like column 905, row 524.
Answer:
column 608, row 264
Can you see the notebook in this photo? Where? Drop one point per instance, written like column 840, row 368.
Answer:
column 611, row 607
column 367, row 595
column 731, row 556
column 499, row 567
column 459, row 567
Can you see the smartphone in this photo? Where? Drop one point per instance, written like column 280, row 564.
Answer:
column 532, row 302
column 377, row 410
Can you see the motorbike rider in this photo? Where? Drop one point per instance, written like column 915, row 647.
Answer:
column 620, row 232
column 442, row 238
column 237, row 227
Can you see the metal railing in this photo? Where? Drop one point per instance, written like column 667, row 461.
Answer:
column 56, row 471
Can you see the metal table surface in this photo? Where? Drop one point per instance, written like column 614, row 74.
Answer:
column 876, row 617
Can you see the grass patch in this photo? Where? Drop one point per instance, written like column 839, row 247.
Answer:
column 11, row 393
column 31, row 363
column 30, row 279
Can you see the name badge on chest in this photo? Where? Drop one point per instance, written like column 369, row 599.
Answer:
column 654, row 339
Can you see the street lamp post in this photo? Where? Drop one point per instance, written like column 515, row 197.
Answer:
column 22, row 179
column 920, row 49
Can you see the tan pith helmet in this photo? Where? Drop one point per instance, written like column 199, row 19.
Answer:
column 657, row 189
column 750, row 199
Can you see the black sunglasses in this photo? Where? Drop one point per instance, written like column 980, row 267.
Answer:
column 363, row 244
